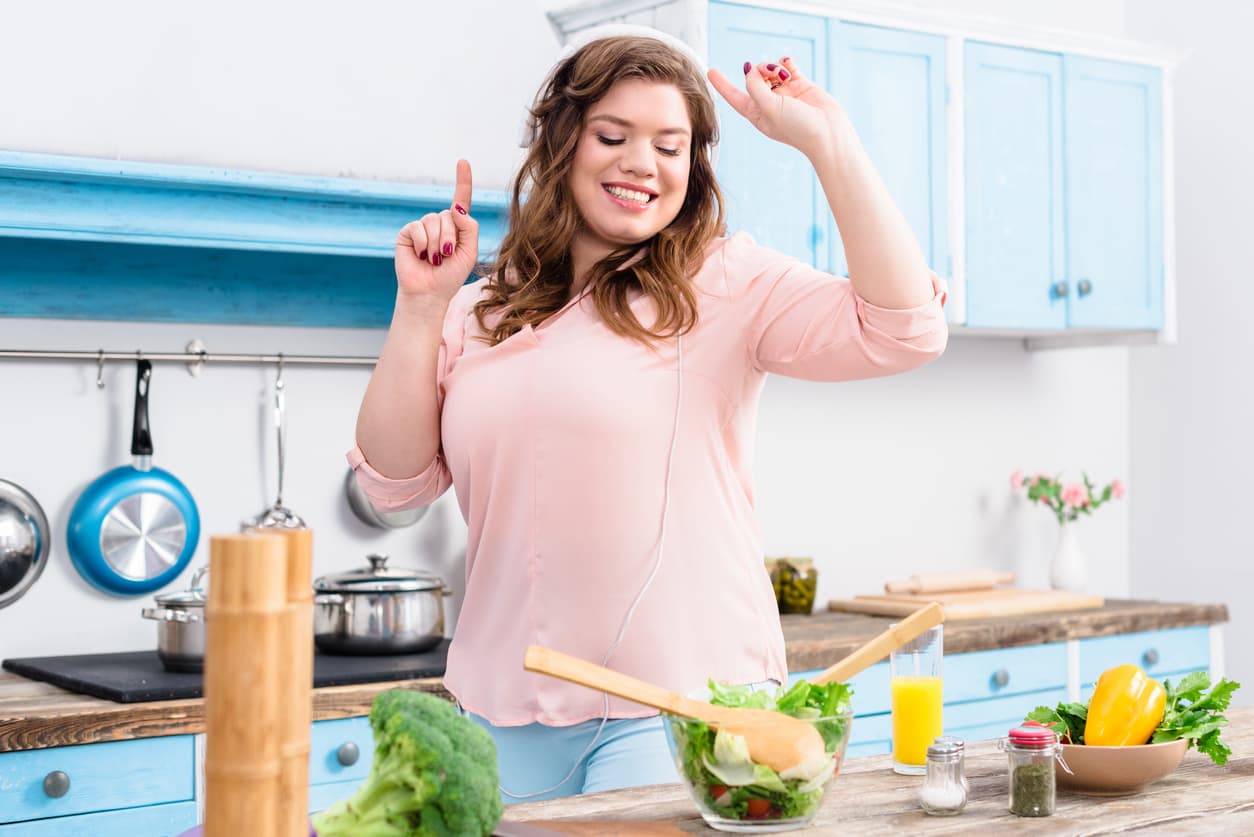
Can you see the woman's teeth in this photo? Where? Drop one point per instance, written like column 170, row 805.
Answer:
column 629, row 194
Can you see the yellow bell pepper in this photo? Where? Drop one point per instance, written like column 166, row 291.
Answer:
column 1126, row 706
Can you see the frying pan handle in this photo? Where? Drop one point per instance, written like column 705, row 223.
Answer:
column 141, row 435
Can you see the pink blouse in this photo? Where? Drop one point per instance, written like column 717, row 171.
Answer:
column 556, row 441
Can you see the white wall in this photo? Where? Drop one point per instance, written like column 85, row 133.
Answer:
column 1192, row 405
column 875, row 479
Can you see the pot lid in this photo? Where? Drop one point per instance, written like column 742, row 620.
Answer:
column 193, row 596
column 183, row 598
column 378, row 578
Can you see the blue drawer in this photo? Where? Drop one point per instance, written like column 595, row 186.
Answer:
column 103, row 777
column 1004, row 671
column 1158, row 652
column 327, row 794
column 326, row 741
column 153, row 821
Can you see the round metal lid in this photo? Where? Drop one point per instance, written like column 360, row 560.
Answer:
column 378, row 578
column 24, row 541
column 183, row 598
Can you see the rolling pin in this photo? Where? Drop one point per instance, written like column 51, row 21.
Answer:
column 243, row 714
column 949, row 582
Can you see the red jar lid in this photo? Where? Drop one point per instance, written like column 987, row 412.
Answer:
column 1034, row 738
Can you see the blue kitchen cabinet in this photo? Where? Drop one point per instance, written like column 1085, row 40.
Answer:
column 1064, row 208
column 771, row 190
column 141, row 786
column 1114, row 163
column 892, row 84
column 1016, row 263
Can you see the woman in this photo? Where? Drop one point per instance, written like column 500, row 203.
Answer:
column 593, row 398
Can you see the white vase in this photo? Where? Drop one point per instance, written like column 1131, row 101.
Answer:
column 1068, row 570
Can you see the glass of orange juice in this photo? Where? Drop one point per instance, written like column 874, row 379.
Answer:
column 916, row 699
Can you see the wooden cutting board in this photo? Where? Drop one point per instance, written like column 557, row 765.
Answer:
column 590, row 828
column 971, row 604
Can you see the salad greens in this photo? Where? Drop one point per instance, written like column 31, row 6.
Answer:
column 1190, row 714
column 728, row 783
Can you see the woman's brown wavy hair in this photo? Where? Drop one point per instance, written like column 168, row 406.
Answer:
column 531, row 279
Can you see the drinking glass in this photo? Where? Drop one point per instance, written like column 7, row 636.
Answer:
column 916, row 699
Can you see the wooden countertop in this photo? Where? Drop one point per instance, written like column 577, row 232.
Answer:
column 35, row 715
column 1198, row 798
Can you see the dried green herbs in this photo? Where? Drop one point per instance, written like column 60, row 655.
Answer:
column 1032, row 789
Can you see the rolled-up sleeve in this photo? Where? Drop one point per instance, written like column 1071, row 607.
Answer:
column 388, row 494
column 805, row 323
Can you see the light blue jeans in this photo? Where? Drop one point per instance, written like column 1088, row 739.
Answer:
column 535, row 759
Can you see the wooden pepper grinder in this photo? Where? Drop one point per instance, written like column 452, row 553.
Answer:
column 245, row 616
column 295, row 685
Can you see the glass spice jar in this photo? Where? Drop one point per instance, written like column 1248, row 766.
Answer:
column 944, row 789
column 795, row 581
column 1031, row 752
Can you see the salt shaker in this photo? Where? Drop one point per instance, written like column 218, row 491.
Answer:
column 962, row 756
column 944, row 789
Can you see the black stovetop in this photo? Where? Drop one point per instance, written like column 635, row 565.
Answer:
column 136, row 676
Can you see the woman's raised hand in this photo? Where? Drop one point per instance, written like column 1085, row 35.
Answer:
column 435, row 254
column 784, row 105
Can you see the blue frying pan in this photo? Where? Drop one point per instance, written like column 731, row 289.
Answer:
column 135, row 528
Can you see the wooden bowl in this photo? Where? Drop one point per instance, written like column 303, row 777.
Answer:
column 1117, row 771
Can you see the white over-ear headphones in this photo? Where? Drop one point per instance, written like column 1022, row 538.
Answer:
column 621, row 30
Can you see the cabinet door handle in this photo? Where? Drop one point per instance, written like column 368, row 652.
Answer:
column 1060, row 289
column 347, row 754
column 1084, row 287
column 1001, row 678
column 57, row 784
column 1150, row 657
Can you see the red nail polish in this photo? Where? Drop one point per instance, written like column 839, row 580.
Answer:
column 423, row 255
column 748, row 67
column 435, row 259
column 784, row 60
column 770, row 68
column 448, row 249
column 458, row 207
column 783, row 75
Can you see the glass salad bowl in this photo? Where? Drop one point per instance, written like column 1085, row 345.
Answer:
column 732, row 792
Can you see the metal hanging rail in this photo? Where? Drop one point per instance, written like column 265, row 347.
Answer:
column 195, row 358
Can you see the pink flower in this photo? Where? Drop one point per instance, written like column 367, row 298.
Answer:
column 1016, row 480
column 1075, row 495
column 1117, row 489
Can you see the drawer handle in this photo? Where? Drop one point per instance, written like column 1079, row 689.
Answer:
column 57, row 784
column 347, row 754
column 1001, row 678
column 1150, row 657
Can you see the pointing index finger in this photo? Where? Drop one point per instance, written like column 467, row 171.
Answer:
column 461, row 191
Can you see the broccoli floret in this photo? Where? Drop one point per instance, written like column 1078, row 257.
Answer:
column 434, row 775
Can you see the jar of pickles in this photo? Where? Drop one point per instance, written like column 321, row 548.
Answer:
column 795, row 581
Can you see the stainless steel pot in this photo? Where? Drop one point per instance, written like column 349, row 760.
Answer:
column 378, row 610
column 180, row 621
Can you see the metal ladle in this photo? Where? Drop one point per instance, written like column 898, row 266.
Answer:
column 279, row 516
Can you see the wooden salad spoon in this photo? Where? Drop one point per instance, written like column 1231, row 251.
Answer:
column 923, row 619
column 774, row 739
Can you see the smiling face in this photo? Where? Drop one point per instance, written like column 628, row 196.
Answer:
column 629, row 177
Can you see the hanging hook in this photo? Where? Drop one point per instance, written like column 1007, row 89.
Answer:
column 278, row 380
column 100, row 370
